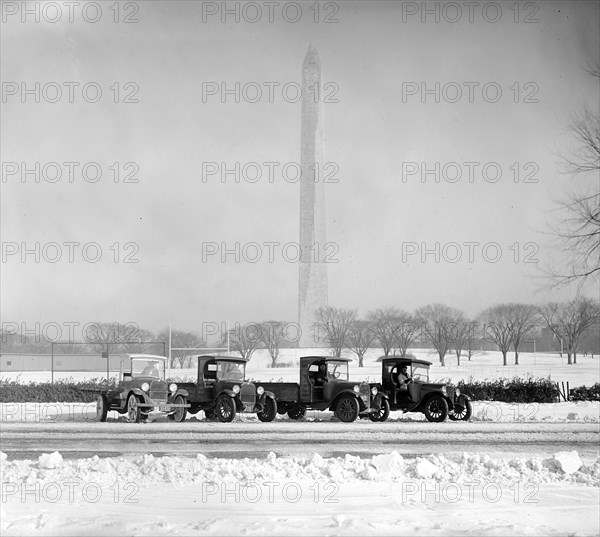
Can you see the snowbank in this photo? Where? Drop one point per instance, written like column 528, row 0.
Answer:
column 381, row 495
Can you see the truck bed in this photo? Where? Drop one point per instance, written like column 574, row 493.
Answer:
column 288, row 392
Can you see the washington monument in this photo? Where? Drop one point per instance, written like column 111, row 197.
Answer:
column 312, row 289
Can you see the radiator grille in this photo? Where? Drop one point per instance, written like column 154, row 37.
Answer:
column 365, row 393
column 158, row 391
column 248, row 393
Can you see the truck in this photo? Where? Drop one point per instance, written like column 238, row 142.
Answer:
column 325, row 385
column 436, row 400
column 142, row 389
column 221, row 390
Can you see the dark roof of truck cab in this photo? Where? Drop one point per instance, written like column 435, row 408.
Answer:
column 225, row 358
column 394, row 359
column 326, row 358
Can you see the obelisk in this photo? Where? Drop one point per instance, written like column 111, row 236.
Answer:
column 312, row 289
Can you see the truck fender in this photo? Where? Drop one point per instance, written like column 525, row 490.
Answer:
column 183, row 393
column 227, row 391
column 261, row 398
column 339, row 395
column 379, row 397
column 138, row 392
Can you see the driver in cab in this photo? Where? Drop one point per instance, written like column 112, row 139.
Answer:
column 404, row 379
column 323, row 375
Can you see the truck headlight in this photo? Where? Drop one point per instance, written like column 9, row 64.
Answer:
column 173, row 387
column 260, row 390
column 145, row 386
column 457, row 392
column 444, row 390
column 236, row 389
column 373, row 390
column 356, row 388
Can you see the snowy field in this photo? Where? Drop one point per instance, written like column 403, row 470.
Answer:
column 484, row 365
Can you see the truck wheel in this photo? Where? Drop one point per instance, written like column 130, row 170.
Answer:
column 225, row 408
column 181, row 412
column 101, row 407
column 296, row 412
column 134, row 412
column 436, row 409
column 465, row 415
column 381, row 414
column 269, row 411
column 347, row 409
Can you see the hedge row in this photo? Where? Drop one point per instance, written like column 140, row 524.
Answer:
column 510, row 391
column 64, row 391
column 583, row 393
column 516, row 390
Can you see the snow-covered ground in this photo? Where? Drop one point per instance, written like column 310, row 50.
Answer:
column 483, row 411
column 380, row 495
column 484, row 365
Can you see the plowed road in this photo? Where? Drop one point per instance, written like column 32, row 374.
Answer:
column 255, row 439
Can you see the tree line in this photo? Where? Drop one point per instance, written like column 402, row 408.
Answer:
column 575, row 325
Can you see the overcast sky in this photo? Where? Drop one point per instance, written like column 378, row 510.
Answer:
column 374, row 61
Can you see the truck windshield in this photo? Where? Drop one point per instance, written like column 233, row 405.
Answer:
column 230, row 370
column 420, row 372
column 337, row 370
column 145, row 367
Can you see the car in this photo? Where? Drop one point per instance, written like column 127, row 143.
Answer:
column 142, row 388
column 325, row 385
column 437, row 401
column 221, row 390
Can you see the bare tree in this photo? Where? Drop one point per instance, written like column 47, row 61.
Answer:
column 383, row 324
column 470, row 338
column 270, row 334
column 525, row 323
column 578, row 233
column 406, row 328
column 360, row 339
column 181, row 340
column 335, row 323
column 244, row 339
column 138, row 343
column 459, row 334
column 436, row 322
column 498, row 327
column 569, row 320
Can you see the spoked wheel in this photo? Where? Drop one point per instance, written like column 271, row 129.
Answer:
column 347, row 409
column 381, row 414
column 225, row 408
column 296, row 412
column 464, row 415
column 134, row 412
column 436, row 409
column 101, row 407
column 269, row 411
column 180, row 412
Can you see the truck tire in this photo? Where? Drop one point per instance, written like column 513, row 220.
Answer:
column 381, row 414
column 436, row 409
column 225, row 408
column 101, row 407
column 269, row 411
column 465, row 415
column 296, row 412
column 134, row 412
column 347, row 408
column 180, row 413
